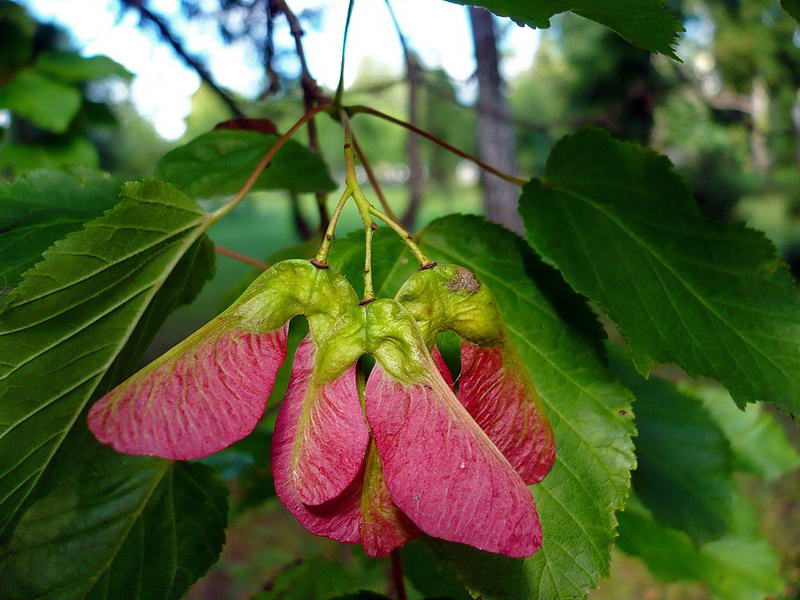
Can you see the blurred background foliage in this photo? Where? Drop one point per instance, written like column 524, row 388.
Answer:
column 728, row 116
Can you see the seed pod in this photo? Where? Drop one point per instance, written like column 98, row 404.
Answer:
column 211, row 389
column 494, row 385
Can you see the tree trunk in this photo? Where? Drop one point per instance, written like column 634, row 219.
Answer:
column 760, row 126
column 496, row 144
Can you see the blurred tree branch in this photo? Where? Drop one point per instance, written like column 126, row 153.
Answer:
column 148, row 16
column 312, row 95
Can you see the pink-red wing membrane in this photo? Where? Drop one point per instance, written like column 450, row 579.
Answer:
column 442, row 470
column 320, row 430
column 362, row 511
column 194, row 403
column 495, row 390
column 442, row 367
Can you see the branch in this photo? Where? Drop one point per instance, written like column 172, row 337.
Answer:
column 413, row 78
column 312, row 95
column 163, row 29
column 241, row 257
column 262, row 164
column 360, row 108
column 397, row 576
column 373, row 180
column 269, row 51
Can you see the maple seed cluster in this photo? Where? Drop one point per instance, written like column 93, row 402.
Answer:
column 376, row 463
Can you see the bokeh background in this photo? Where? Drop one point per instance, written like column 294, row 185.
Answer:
column 727, row 114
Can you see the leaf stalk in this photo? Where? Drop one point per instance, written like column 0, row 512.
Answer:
column 360, row 108
column 263, row 163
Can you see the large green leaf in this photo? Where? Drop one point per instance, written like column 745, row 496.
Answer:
column 596, row 435
column 429, row 578
column 313, row 578
column 645, row 23
column 758, row 441
column 590, row 414
column 74, row 68
column 113, row 526
column 392, row 264
column 219, row 162
column 740, row 566
column 42, row 207
column 709, row 296
column 61, row 151
column 74, row 313
column 684, row 466
column 43, row 101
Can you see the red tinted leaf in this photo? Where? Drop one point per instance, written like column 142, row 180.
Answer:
column 260, row 125
column 197, row 399
column 320, row 430
column 442, row 367
column 337, row 519
column 497, row 392
column 443, row 471
column 363, row 512
column 383, row 525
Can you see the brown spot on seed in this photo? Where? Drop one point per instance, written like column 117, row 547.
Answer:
column 464, row 281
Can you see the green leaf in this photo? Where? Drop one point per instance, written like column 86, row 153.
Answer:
column 71, row 67
column 362, row 595
column 116, row 526
column 42, row 207
column 758, row 441
column 645, row 23
column 194, row 269
column 792, row 7
column 219, row 162
column 741, row 566
column 684, row 473
column 313, row 578
column 429, row 578
column 709, row 296
column 392, row 263
column 72, row 316
column 69, row 150
column 41, row 100
column 590, row 414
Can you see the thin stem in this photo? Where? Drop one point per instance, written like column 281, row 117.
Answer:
column 363, row 204
column 353, row 110
column 424, row 261
column 311, row 97
column 262, row 164
column 241, row 257
column 373, row 181
column 397, row 576
column 398, row 29
column 321, row 260
column 369, row 292
column 337, row 100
